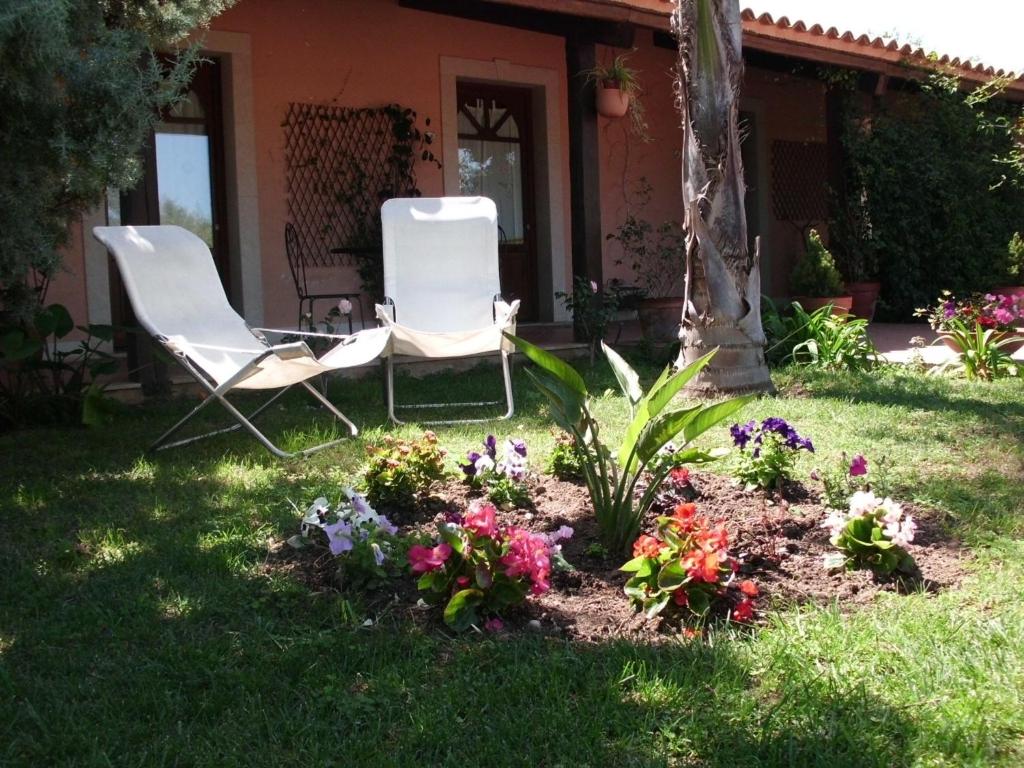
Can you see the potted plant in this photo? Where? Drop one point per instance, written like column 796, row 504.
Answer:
column 1003, row 314
column 618, row 93
column 1014, row 269
column 655, row 255
column 816, row 281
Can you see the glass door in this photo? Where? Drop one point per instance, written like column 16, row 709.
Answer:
column 495, row 160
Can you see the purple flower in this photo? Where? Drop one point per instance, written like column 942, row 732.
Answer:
column 339, row 535
column 806, row 444
column 387, row 526
column 519, row 446
column 491, row 446
column 454, row 518
column 949, row 309
column 859, row 466
column 776, row 424
column 741, row 434
column 378, row 553
column 470, row 469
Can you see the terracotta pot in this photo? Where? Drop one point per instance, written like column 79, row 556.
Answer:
column 1009, row 349
column 611, row 101
column 840, row 304
column 865, row 297
column 1009, row 290
column 660, row 319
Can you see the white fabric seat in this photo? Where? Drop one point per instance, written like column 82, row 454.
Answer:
column 177, row 297
column 442, row 287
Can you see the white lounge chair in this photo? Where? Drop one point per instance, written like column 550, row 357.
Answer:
column 178, row 298
column 442, row 289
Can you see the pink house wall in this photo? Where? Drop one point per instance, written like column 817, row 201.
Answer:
column 358, row 53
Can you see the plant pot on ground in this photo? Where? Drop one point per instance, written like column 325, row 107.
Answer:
column 865, row 298
column 816, row 281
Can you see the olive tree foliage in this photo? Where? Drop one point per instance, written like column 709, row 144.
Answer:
column 723, row 280
column 80, row 89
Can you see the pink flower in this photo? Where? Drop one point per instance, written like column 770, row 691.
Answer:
column 528, row 555
column 494, row 625
column 1003, row 316
column 859, row 466
column 481, row 520
column 593, row 286
column 424, row 559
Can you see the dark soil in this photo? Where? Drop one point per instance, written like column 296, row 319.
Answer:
column 779, row 541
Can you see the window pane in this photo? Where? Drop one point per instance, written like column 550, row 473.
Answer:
column 183, row 182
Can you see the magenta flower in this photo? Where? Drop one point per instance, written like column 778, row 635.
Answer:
column 859, row 466
column 481, row 519
column 528, row 555
column 424, row 559
column 494, row 625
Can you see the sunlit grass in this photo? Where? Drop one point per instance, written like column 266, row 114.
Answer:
column 138, row 625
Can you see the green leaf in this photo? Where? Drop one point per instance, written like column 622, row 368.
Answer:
column 99, row 331
column 15, row 345
column 699, row 601
column 566, row 405
column 636, row 588
column 58, row 320
column 834, row 561
column 673, row 575
column 460, row 613
column 714, row 414
column 97, row 408
column 634, row 565
column 628, row 379
column 557, row 367
column 656, row 604
column 662, row 429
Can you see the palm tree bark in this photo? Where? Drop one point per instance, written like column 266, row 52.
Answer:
column 723, row 280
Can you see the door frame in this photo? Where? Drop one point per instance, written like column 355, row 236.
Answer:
column 550, row 191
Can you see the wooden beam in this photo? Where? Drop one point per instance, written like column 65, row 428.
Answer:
column 584, row 162
column 611, row 33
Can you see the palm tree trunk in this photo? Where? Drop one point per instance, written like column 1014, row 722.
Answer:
column 723, row 280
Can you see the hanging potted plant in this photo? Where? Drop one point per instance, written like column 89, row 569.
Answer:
column 618, row 93
column 655, row 255
column 816, row 281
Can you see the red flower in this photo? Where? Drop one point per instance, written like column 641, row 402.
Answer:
column 680, row 475
column 685, row 516
column 744, row 610
column 702, row 565
column 481, row 519
column 679, row 597
column 749, row 588
column 647, row 546
column 423, row 559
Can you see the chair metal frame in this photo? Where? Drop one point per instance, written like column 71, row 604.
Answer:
column 297, row 264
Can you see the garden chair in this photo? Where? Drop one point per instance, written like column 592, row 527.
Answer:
column 298, row 265
column 177, row 296
column 442, row 289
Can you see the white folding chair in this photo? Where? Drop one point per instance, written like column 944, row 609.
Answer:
column 177, row 296
column 442, row 289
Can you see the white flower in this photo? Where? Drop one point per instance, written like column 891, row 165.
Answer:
column 345, row 307
column 891, row 511
column 484, row 464
column 901, row 534
column 863, row 503
column 835, row 522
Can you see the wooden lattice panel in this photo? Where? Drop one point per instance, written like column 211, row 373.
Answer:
column 799, row 181
column 339, row 174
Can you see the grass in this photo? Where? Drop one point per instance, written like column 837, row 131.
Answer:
column 138, row 626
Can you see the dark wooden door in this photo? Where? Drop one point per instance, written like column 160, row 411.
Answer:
column 496, row 160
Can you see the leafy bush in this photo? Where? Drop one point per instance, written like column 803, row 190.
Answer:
column 44, row 380
column 612, row 479
column 871, row 533
column 398, row 471
column 564, row 462
column 592, row 311
column 818, row 339
column 932, row 179
column 816, row 274
column 767, row 452
column 366, row 543
column 686, row 563
column 984, row 354
column 480, row 568
column 504, row 480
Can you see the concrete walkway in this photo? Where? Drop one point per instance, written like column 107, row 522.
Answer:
column 893, row 341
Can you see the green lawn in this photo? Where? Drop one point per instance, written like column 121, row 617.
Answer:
column 138, row 625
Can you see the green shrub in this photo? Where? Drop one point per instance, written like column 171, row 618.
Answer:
column 816, row 274
column 398, row 471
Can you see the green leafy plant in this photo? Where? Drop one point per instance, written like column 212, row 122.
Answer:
column 767, row 452
column 612, row 478
column 817, row 339
column 686, row 563
column 564, row 461
column 872, row 533
column 479, row 568
column 983, row 351
column 398, row 471
column 592, row 310
column 654, row 254
column 815, row 274
column 45, row 378
column 846, row 476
